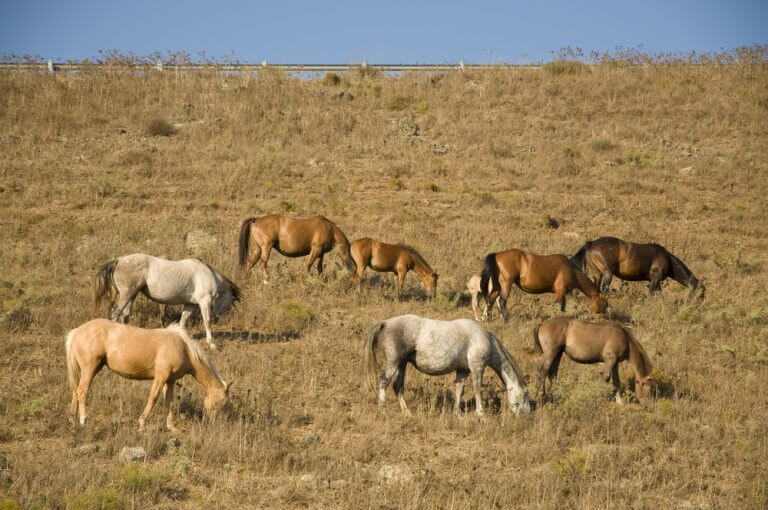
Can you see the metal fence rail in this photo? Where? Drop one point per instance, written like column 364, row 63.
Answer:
column 51, row 67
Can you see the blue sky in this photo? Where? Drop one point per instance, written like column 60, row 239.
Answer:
column 381, row 32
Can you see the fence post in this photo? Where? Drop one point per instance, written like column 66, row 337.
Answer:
column 50, row 66
column 159, row 65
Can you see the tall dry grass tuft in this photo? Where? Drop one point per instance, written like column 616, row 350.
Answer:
column 458, row 163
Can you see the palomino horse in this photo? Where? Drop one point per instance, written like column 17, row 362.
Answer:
column 534, row 274
column 441, row 347
column 603, row 258
column 163, row 355
column 185, row 282
column 591, row 342
column 393, row 258
column 291, row 237
column 473, row 286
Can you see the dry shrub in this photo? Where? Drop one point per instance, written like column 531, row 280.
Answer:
column 160, row 127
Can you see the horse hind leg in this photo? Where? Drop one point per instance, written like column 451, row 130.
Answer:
column 205, row 312
column 605, row 282
column 399, row 388
column 460, row 376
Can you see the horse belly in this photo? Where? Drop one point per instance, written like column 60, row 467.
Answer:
column 438, row 361
column 130, row 367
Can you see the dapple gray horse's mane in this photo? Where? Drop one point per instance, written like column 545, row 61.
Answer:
column 417, row 256
column 195, row 349
column 508, row 360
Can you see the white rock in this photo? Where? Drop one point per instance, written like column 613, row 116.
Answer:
column 397, row 473
column 133, row 453
column 687, row 170
column 197, row 241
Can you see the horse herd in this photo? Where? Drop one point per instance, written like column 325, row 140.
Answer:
column 434, row 347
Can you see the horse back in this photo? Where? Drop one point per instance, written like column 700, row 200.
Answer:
column 591, row 342
column 636, row 260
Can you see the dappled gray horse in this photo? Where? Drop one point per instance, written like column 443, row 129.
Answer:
column 441, row 347
column 187, row 282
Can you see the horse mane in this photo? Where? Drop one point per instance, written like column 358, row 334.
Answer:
column 233, row 288
column 195, row 350
column 680, row 272
column 636, row 346
column 507, row 359
column 417, row 256
column 585, row 284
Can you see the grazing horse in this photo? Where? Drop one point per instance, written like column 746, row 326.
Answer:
column 603, row 258
column 473, row 286
column 591, row 342
column 291, row 237
column 441, row 347
column 185, row 282
column 163, row 355
column 534, row 274
column 392, row 258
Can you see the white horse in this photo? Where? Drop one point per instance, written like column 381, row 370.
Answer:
column 441, row 347
column 473, row 286
column 185, row 282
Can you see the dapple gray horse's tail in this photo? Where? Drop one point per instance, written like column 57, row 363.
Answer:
column 369, row 354
column 103, row 285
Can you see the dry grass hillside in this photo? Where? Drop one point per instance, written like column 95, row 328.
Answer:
column 108, row 162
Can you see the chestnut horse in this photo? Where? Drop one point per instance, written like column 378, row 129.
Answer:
column 392, row 258
column 603, row 258
column 591, row 342
column 291, row 237
column 163, row 355
column 534, row 274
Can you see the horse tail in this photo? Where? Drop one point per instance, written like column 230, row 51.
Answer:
column 369, row 353
column 73, row 367
column 490, row 273
column 245, row 241
column 536, row 341
column 343, row 243
column 578, row 259
column 103, row 284
column 636, row 350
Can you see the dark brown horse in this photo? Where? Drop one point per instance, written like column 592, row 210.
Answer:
column 391, row 258
column 591, row 342
column 535, row 274
column 292, row 237
column 604, row 258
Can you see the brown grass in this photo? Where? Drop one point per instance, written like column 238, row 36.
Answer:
column 489, row 161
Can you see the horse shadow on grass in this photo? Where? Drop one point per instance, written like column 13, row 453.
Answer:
column 255, row 337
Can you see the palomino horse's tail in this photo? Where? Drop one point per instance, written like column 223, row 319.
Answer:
column 343, row 243
column 636, row 350
column 369, row 354
column 103, row 284
column 245, row 241
column 578, row 259
column 490, row 273
column 536, row 341
column 73, row 368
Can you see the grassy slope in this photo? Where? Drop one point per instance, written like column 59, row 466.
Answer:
column 458, row 165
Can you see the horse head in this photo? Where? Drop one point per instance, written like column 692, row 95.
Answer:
column 227, row 295
column 598, row 304
column 518, row 400
column 431, row 284
column 215, row 398
column 697, row 285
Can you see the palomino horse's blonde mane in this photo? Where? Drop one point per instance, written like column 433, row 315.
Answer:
column 417, row 256
column 194, row 347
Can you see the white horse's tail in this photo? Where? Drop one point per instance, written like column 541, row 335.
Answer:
column 73, row 367
column 369, row 354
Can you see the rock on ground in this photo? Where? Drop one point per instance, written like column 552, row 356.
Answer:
column 133, row 453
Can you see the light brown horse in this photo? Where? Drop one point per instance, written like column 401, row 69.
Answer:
column 591, row 342
column 392, row 258
column 535, row 274
column 292, row 237
column 603, row 258
column 163, row 355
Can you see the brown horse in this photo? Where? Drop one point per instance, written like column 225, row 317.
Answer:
column 591, row 342
column 163, row 355
column 292, row 237
column 603, row 258
column 392, row 258
column 534, row 274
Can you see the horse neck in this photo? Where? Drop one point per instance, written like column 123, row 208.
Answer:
column 637, row 359
column 505, row 368
column 421, row 269
column 585, row 285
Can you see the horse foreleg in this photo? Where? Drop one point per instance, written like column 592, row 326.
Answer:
column 359, row 275
column 605, row 282
column 168, row 401
column 157, row 383
column 611, row 374
column 400, row 279
column 477, row 381
column 186, row 313
column 205, row 312
column 460, row 376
